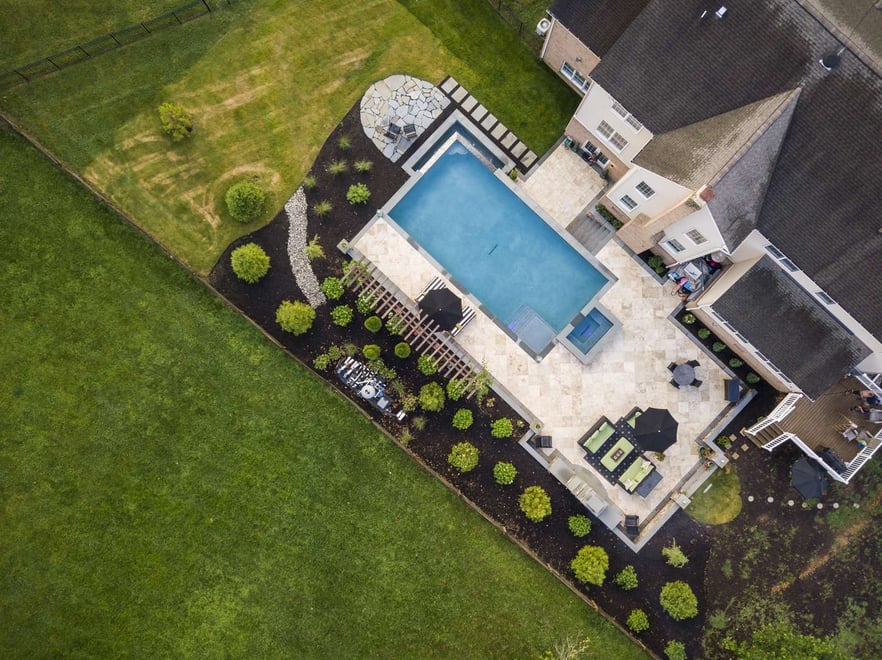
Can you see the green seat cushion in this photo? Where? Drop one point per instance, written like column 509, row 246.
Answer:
column 636, row 472
column 611, row 463
column 632, row 420
column 601, row 435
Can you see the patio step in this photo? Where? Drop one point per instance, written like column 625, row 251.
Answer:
column 591, row 231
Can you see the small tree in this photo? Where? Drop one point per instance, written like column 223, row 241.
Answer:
column 627, row 578
column 579, row 525
column 463, row 456
column 590, row 565
column 402, row 350
column 427, row 365
column 504, row 473
column 333, row 288
column 295, row 317
column 501, row 428
column 250, row 262
column 245, row 201
column 432, row 397
column 373, row 323
column 462, row 419
column 314, row 250
column 678, row 600
column 371, row 351
column 176, row 122
column 358, row 193
column 535, row 503
column 675, row 556
column 675, row 650
column 341, row 315
column 638, row 621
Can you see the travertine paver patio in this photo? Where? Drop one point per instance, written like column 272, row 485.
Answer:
column 573, row 181
column 630, row 368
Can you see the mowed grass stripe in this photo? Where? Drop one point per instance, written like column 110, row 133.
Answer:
column 173, row 484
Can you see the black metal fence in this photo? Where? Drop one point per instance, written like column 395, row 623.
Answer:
column 108, row 42
column 525, row 31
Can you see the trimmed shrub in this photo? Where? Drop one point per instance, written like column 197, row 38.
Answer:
column 250, row 262
column 735, row 363
column 704, row 333
column 752, row 378
column 333, row 288
column 343, row 142
column 675, row 555
column 456, row 388
column 688, row 319
column 535, row 503
column 432, row 397
column 590, row 565
column 655, row 262
column 638, row 621
column 373, row 323
column 627, row 578
column 245, row 201
column 341, row 315
column 176, row 121
column 504, row 473
column 295, row 317
column 501, row 428
column 363, row 166
column 402, row 350
column 371, row 351
column 579, row 525
column 322, row 208
column 675, row 650
column 322, row 361
column 608, row 216
column 335, row 353
column 462, row 419
column 358, row 193
column 463, row 456
column 337, row 167
column 314, row 250
column 718, row 347
column 678, row 600
column 366, row 303
column 309, row 182
column 427, row 365
column 395, row 325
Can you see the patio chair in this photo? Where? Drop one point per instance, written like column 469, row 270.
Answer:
column 696, row 383
column 393, row 132
column 544, row 442
column 675, row 383
column 694, row 363
column 467, row 315
column 410, row 131
column 436, row 283
column 672, row 366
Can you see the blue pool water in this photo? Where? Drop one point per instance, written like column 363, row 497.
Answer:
column 589, row 330
column 494, row 244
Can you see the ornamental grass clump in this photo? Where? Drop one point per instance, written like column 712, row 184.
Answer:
column 341, row 315
column 627, row 578
column 177, row 123
column 463, row 456
column 250, row 262
column 504, row 473
column 245, row 201
column 501, row 428
column 638, row 621
column 579, row 525
column 321, row 209
column 358, row 193
column 295, row 317
column 309, row 182
column 363, row 166
column 535, row 503
column 462, row 419
column 678, row 600
column 337, row 167
column 432, row 397
column 590, row 565
column 333, row 288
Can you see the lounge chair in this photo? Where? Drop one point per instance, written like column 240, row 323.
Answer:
column 436, row 283
column 467, row 315
column 410, row 131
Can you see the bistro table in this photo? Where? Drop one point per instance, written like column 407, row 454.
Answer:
column 684, row 374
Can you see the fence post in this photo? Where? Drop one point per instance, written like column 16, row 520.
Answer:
column 145, row 27
column 49, row 59
column 206, row 5
column 83, row 51
column 110, row 34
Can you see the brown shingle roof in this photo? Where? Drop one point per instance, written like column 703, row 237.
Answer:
column 597, row 23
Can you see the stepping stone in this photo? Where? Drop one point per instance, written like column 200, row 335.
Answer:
column 529, row 159
column 479, row 112
column 519, row 149
column 745, row 447
column 509, row 140
column 469, row 103
column 489, row 121
column 499, row 131
column 735, row 456
column 459, row 94
column 449, row 85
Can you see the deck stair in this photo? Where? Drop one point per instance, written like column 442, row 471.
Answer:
column 769, row 436
column 592, row 231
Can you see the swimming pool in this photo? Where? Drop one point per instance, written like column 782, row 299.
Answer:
column 518, row 266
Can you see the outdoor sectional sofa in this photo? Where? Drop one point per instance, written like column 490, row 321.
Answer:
column 595, row 439
column 636, row 473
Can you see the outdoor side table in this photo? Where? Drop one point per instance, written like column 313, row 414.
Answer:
column 684, row 374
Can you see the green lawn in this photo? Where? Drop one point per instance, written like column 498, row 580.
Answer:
column 173, row 485
column 721, row 503
column 267, row 82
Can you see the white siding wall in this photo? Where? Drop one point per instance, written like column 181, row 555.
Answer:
column 701, row 221
column 597, row 106
column 666, row 193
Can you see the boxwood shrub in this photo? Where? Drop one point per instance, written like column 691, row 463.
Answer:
column 373, row 323
column 402, row 350
column 535, row 503
column 245, row 201
column 463, row 456
column 371, row 351
column 504, row 473
column 432, row 397
column 462, row 419
column 501, row 428
column 333, row 288
column 579, row 525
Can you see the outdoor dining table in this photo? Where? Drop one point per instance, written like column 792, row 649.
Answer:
column 684, row 374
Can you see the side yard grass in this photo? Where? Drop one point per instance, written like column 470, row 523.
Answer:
column 266, row 83
column 719, row 500
column 174, row 485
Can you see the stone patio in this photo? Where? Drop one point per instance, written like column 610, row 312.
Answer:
column 572, row 181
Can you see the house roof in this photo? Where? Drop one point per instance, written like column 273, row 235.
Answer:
column 597, row 23
column 790, row 327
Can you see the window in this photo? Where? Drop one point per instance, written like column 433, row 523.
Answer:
column 622, row 112
column 823, row 296
column 644, row 189
column 633, row 123
column 570, row 73
column 620, row 109
column 567, row 69
column 617, row 140
column 775, row 252
column 628, row 202
column 675, row 245
column 789, row 265
column 696, row 236
column 605, row 130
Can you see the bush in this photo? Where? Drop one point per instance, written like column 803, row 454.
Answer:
column 432, row 397
column 395, row 325
column 366, row 303
column 504, row 473
column 675, row 650
column 341, row 315
column 590, row 565
column 535, row 503
column 321, row 209
column 333, row 288
column 627, row 578
column 295, row 317
column 462, row 419
column 456, row 388
column 309, row 182
column 322, row 361
column 358, row 193
column 688, row 319
column 704, row 333
column 371, row 351
column 655, row 262
column 675, row 556
column 718, row 347
column 735, row 363
column 314, row 250
column 463, row 456
column 501, row 428
column 373, row 323
column 402, row 350
column 427, row 365
column 176, row 122
column 350, row 349
column 579, row 525
column 608, row 216
column 250, row 262
column 418, row 422
column 363, row 166
column 335, row 353
column 752, row 378
column 638, row 621
column 409, row 402
column 337, row 167
column 245, row 201
column 343, row 142
column 724, row 441
column 678, row 600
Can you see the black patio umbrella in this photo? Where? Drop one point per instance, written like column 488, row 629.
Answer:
column 656, row 429
column 808, row 478
column 442, row 306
